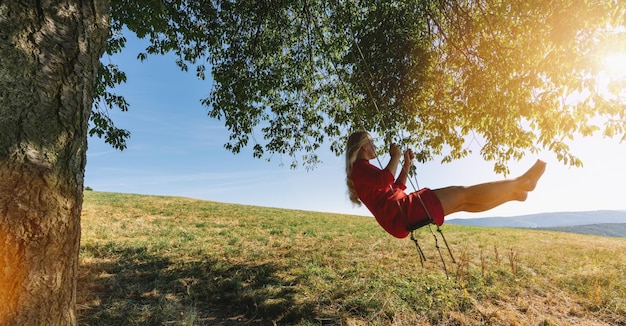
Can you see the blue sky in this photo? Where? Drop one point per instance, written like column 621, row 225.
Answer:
column 175, row 149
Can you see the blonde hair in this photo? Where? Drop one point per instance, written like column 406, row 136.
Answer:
column 355, row 142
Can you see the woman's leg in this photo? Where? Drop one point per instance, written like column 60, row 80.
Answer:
column 485, row 196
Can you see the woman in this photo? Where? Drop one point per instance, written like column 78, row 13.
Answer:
column 398, row 212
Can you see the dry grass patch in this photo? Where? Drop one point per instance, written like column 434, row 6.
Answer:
column 149, row 260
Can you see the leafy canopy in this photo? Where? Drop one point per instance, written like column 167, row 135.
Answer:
column 513, row 77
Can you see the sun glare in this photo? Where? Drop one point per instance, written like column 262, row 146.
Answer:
column 615, row 65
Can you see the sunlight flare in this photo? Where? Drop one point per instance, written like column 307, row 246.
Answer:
column 615, row 65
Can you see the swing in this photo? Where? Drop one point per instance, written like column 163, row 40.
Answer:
column 410, row 227
column 428, row 222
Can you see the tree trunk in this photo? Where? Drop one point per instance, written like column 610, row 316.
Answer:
column 49, row 56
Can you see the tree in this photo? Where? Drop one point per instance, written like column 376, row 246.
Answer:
column 291, row 75
column 50, row 55
column 297, row 74
column 526, row 75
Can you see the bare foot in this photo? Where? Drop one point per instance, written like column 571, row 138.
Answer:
column 531, row 177
column 521, row 196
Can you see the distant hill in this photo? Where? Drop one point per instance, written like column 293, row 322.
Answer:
column 607, row 230
column 547, row 220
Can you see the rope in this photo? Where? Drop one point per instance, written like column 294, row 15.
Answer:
column 419, row 250
column 382, row 120
column 430, row 219
column 446, row 243
column 406, row 220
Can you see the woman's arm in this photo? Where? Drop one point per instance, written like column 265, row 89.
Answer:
column 395, row 153
column 406, row 167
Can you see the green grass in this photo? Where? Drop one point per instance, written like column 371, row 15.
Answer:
column 148, row 260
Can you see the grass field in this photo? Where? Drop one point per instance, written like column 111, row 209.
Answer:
column 148, row 260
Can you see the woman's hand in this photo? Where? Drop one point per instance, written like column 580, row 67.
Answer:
column 408, row 155
column 408, row 159
column 394, row 151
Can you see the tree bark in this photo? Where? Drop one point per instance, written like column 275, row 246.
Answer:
column 49, row 56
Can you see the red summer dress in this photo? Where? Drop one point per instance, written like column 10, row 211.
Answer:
column 381, row 195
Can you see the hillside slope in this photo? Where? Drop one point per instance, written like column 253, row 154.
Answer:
column 149, row 260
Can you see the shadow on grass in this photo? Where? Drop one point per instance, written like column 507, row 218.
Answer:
column 130, row 286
